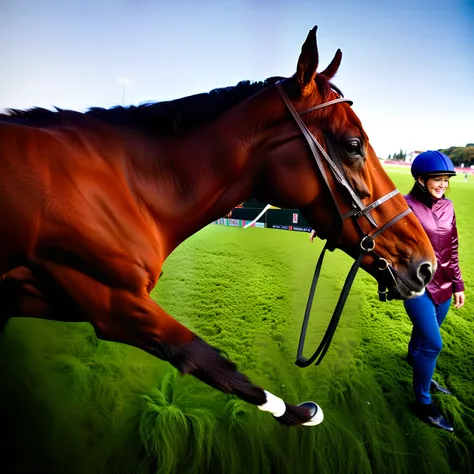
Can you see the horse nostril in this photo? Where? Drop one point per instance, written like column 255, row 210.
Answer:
column 425, row 273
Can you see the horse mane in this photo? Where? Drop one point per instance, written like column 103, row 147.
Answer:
column 166, row 118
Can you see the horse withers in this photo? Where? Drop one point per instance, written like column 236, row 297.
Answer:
column 93, row 203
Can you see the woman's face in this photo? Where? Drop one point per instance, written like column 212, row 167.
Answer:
column 436, row 185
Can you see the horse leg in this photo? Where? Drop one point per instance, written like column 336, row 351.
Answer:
column 132, row 317
column 147, row 326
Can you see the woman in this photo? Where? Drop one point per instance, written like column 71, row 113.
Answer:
column 432, row 171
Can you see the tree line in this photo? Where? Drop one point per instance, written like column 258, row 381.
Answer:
column 400, row 156
column 460, row 155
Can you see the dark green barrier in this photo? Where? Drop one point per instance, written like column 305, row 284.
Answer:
column 284, row 219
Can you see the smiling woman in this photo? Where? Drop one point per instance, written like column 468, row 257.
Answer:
column 432, row 171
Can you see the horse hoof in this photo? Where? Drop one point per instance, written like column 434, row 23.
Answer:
column 317, row 415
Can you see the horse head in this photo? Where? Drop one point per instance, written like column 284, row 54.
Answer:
column 319, row 160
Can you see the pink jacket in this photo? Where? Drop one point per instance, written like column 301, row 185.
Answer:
column 439, row 221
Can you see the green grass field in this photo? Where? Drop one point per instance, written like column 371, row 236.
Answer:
column 73, row 404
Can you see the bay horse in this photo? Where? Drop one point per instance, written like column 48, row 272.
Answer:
column 93, row 203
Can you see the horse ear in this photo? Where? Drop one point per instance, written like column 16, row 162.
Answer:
column 331, row 70
column 308, row 61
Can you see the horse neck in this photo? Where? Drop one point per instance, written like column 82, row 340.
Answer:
column 189, row 181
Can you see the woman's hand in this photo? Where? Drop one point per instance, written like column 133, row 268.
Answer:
column 459, row 299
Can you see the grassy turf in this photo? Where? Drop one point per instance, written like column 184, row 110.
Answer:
column 73, row 404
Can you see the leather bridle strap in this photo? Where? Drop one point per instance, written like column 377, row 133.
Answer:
column 373, row 205
column 382, row 290
column 320, row 106
column 317, row 150
column 391, row 222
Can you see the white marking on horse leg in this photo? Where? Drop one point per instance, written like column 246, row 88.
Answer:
column 275, row 405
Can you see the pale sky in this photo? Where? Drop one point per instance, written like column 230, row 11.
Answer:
column 408, row 65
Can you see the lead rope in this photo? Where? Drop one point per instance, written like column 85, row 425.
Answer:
column 302, row 361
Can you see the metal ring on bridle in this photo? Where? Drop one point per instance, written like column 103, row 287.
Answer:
column 384, row 262
column 367, row 238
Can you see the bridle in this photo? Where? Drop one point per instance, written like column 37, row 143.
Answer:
column 358, row 209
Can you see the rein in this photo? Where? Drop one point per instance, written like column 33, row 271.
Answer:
column 359, row 209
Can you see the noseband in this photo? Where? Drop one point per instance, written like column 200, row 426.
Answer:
column 358, row 209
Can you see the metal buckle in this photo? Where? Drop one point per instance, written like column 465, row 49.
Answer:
column 383, row 295
column 369, row 239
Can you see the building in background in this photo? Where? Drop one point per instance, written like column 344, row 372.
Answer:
column 412, row 155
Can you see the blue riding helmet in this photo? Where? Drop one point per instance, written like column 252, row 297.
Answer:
column 432, row 163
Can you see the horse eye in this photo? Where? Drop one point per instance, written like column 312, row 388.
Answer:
column 353, row 147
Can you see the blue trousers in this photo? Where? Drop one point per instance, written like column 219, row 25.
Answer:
column 425, row 343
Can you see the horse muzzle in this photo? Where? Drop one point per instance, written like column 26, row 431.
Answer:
column 396, row 285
